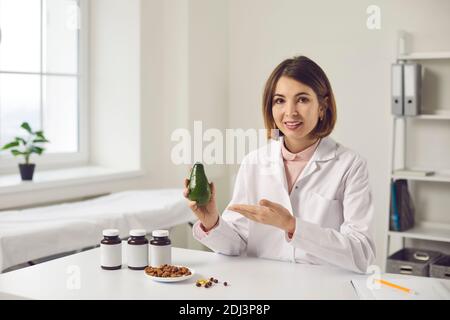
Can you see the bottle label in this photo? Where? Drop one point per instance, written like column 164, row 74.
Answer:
column 137, row 255
column 111, row 255
column 160, row 255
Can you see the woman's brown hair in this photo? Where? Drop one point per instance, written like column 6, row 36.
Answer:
column 311, row 74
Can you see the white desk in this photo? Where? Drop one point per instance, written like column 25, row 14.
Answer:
column 248, row 278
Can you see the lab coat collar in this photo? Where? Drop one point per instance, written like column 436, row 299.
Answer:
column 325, row 151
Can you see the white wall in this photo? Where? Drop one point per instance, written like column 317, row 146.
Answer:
column 184, row 79
column 114, row 51
column 357, row 61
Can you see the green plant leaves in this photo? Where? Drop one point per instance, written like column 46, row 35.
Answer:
column 11, row 145
column 17, row 152
column 40, row 140
column 40, row 137
column 19, row 139
column 27, row 142
column 27, row 127
column 37, row 150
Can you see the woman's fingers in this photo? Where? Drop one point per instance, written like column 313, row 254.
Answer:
column 193, row 205
column 186, row 190
column 213, row 188
column 246, row 210
column 245, row 207
column 270, row 204
column 266, row 203
column 248, row 215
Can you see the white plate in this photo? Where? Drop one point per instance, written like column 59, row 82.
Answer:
column 174, row 279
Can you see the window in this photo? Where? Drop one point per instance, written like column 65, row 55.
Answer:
column 41, row 76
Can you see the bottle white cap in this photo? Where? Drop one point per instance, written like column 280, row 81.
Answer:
column 160, row 233
column 110, row 232
column 138, row 232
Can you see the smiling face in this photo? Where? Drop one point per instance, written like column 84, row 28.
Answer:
column 296, row 111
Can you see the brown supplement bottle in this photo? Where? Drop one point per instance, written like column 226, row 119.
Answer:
column 111, row 250
column 137, row 250
column 160, row 248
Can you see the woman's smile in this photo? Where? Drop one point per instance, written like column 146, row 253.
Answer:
column 292, row 125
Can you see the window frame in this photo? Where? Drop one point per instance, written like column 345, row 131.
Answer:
column 8, row 163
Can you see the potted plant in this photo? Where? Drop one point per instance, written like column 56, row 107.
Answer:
column 26, row 147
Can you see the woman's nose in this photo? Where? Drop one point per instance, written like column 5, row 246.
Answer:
column 291, row 108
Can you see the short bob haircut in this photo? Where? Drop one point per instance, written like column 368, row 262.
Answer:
column 309, row 73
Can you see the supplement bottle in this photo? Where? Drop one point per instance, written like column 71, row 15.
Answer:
column 160, row 248
column 137, row 250
column 111, row 250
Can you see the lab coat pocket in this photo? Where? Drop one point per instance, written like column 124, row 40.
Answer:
column 322, row 211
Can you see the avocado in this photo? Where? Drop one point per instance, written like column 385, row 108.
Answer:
column 199, row 189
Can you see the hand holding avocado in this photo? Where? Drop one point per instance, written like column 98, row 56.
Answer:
column 199, row 188
column 201, row 196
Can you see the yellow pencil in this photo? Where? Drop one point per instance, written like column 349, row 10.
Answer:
column 392, row 285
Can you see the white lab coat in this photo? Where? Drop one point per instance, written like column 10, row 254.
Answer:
column 331, row 201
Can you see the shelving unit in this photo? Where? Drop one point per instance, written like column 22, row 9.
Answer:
column 426, row 231
column 424, row 55
column 437, row 177
column 430, row 116
column 423, row 230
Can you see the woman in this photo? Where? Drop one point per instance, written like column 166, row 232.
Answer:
column 303, row 197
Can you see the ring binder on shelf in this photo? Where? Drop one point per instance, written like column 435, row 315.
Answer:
column 397, row 89
column 412, row 88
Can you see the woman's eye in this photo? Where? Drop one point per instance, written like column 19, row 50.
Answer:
column 278, row 101
column 303, row 100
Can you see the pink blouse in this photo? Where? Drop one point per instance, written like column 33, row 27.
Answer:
column 294, row 163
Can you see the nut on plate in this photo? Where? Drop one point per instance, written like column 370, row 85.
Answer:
column 167, row 271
